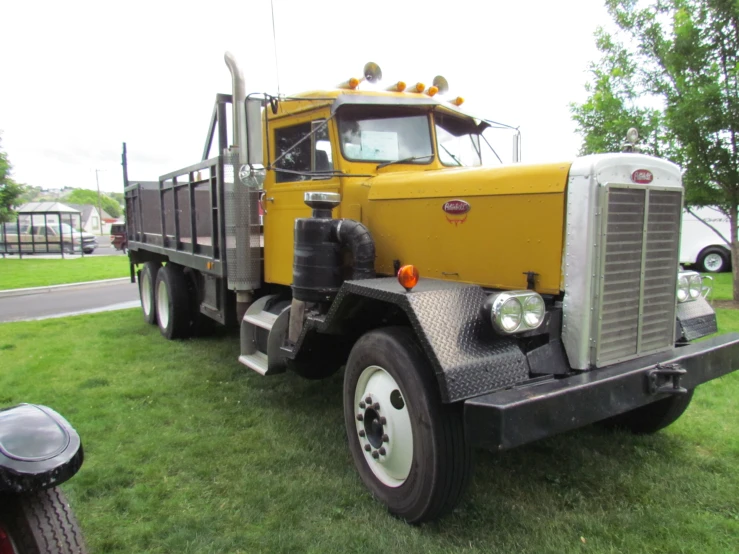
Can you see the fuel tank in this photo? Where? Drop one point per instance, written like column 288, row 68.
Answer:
column 488, row 226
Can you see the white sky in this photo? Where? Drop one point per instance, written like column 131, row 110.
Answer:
column 80, row 77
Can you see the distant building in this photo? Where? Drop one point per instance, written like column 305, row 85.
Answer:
column 92, row 220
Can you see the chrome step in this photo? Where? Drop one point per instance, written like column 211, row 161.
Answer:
column 265, row 320
column 256, row 361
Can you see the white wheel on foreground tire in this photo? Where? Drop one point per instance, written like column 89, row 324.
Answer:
column 383, row 426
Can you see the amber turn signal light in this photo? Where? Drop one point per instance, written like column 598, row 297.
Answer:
column 408, row 277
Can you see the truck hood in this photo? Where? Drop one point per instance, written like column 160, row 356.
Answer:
column 485, row 225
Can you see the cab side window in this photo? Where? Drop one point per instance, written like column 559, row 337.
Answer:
column 311, row 159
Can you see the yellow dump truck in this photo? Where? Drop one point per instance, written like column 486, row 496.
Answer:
column 468, row 306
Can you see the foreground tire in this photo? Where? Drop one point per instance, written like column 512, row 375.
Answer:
column 147, row 280
column 652, row 417
column 172, row 303
column 39, row 523
column 714, row 260
column 408, row 447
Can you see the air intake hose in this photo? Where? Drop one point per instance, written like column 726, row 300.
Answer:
column 356, row 237
column 317, row 263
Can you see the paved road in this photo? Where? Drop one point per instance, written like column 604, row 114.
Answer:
column 104, row 249
column 63, row 302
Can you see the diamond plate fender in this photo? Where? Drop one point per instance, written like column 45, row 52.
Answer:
column 695, row 319
column 468, row 358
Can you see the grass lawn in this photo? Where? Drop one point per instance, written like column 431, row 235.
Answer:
column 28, row 272
column 722, row 286
column 188, row 451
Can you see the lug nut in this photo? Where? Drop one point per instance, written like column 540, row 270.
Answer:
column 367, row 447
column 368, row 400
column 385, row 438
column 362, row 405
column 360, row 417
column 362, row 433
column 376, row 405
column 383, row 421
column 382, row 450
column 375, row 454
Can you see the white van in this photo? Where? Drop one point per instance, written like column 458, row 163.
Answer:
column 700, row 245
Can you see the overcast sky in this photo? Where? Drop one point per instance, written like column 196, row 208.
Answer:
column 80, row 77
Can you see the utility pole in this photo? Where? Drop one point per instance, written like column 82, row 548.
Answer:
column 100, row 210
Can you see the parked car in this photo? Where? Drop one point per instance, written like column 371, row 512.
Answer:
column 118, row 238
column 701, row 245
column 41, row 239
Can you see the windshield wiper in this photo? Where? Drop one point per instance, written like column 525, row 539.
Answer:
column 404, row 160
column 451, row 155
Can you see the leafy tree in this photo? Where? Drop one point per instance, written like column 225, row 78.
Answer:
column 672, row 71
column 10, row 191
column 85, row 196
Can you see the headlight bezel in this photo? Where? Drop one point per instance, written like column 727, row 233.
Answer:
column 495, row 303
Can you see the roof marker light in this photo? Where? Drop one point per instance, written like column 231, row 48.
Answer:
column 419, row 87
column 458, row 101
column 432, row 90
column 397, row 87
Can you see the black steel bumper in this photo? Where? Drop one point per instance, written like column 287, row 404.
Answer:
column 508, row 418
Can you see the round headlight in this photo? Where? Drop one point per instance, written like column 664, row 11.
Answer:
column 683, row 288
column 695, row 284
column 510, row 314
column 533, row 311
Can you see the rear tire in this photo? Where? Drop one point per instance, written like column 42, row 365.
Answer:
column 147, row 280
column 714, row 260
column 172, row 303
column 409, row 448
column 39, row 523
column 652, row 417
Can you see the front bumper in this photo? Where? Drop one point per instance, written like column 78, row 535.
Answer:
column 508, row 418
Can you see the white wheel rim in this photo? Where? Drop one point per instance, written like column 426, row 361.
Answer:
column 713, row 262
column 163, row 305
column 383, row 426
column 146, row 293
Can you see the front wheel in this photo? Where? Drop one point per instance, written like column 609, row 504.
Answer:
column 39, row 523
column 408, row 447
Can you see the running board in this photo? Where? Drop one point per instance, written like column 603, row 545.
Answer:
column 257, row 332
column 257, row 361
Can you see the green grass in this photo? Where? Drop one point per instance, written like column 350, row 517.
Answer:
column 722, row 286
column 18, row 274
column 187, row 451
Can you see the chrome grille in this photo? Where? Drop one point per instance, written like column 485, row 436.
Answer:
column 638, row 272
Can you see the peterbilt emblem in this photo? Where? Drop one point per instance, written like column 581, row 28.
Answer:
column 456, row 211
column 456, row 207
column 642, row 176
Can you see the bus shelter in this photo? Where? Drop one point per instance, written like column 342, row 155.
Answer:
column 43, row 228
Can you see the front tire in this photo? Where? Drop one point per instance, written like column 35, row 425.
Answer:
column 173, row 303
column 652, row 417
column 408, row 447
column 39, row 523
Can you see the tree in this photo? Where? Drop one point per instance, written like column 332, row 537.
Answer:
column 84, row 196
column 10, row 191
column 674, row 74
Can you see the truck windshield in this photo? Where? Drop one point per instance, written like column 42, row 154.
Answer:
column 458, row 140
column 385, row 135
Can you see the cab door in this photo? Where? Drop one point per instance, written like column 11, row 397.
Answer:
column 303, row 159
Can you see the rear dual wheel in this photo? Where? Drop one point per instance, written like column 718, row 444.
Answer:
column 147, row 280
column 408, row 447
column 173, row 310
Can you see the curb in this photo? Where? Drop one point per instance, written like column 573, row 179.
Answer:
column 67, row 286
